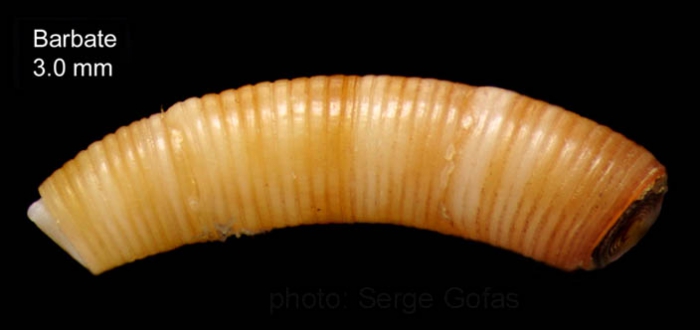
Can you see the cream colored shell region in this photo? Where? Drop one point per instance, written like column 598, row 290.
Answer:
column 481, row 163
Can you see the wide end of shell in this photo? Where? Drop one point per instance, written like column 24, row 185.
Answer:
column 632, row 225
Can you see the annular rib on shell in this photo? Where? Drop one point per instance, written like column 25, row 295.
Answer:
column 481, row 163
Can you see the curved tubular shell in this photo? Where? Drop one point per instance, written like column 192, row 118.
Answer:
column 481, row 163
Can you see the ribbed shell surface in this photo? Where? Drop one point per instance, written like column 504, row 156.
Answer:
column 481, row 163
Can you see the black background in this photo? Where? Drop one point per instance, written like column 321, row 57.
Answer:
column 622, row 69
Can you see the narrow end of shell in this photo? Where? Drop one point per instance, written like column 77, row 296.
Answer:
column 632, row 225
column 50, row 226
